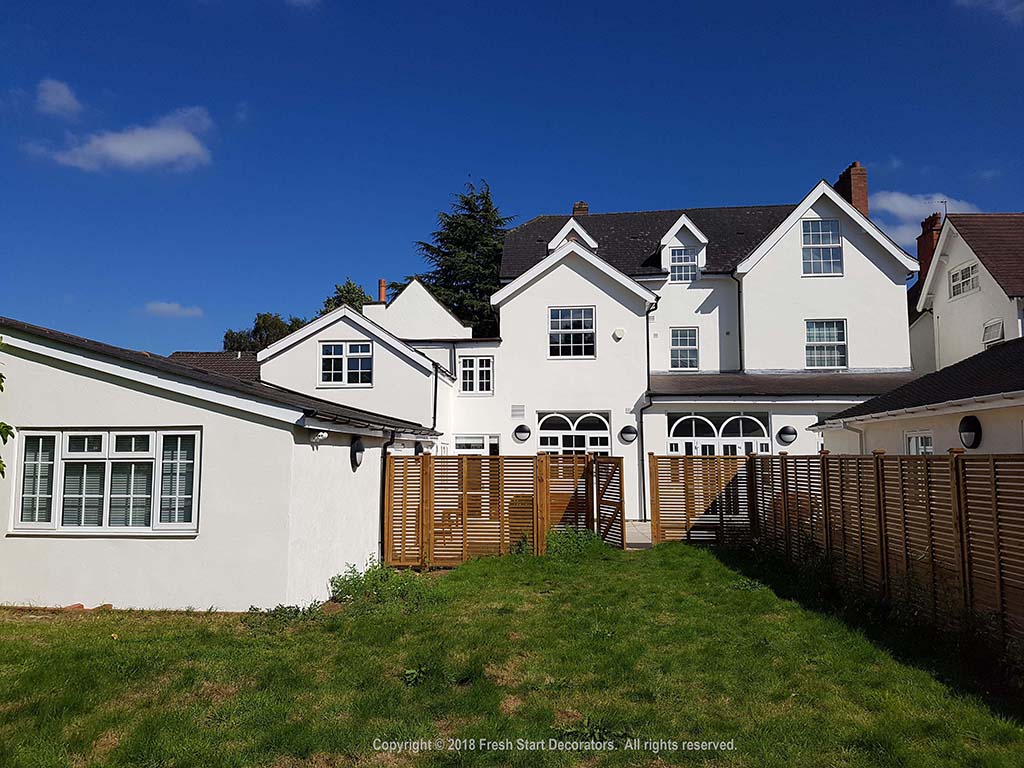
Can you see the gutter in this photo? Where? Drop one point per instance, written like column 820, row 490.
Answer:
column 992, row 400
column 648, row 402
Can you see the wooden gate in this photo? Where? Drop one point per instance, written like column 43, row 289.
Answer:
column 444, row 510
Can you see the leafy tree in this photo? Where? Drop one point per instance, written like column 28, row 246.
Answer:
column 465, row 257
column 6, row 430
column 349, row 293
column 266, row 328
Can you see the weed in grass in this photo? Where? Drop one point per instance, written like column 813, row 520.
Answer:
column 573, row 544
column 381, row 588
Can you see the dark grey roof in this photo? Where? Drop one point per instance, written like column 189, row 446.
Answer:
column 310, row 406
column 831, row 383
column 996, row 370
column 998, row 240
column 630, row 241
column 241, row 365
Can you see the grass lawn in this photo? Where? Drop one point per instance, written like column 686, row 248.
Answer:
column 663, row 644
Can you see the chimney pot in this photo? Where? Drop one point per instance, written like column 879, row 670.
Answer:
column 852, row 184
column 926, row 242
column 580, row 208
column 382, row 290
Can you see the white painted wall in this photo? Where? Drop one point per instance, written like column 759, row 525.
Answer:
column 257, row 476
column 401, row 388
column 871, row 296
column 416, row 314
column 922, row 344
column 959, row 321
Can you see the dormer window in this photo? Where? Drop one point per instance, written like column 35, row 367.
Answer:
column 822, row 247
column 963, row 280
column 683, row 265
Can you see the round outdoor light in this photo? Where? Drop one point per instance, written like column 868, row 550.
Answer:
column 521, row 433
column 356, row 453
column 786, row 435
column 970, row 431
column 628, row 433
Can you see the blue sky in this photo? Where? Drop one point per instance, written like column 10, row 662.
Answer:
column 169, row 169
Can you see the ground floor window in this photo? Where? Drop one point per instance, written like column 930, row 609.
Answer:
column 718, row 434
column 575, row 433
column 476, row 445
column 124, row 480
column 919, row 443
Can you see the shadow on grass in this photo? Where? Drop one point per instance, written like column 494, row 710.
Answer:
column 965, row 661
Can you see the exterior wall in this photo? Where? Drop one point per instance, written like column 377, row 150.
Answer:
column 335, row 513
column 416, row 314
column 1002, row 431
column 922, row 344
column 401, row 388
column 871, row 296
column 613, row 383
column 709, row 304
column 959, row 321
column 239, row 556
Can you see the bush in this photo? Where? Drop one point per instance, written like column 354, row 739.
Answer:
column 380, row 587
column 573, row 544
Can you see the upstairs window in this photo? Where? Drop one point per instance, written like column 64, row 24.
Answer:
column 685, row 353
column 826, row 344
column 992, row 333
column 822, row 247
column 682, row 265
column 346, row 364
column 963, row 280
column 477, row 375
column 571, row 332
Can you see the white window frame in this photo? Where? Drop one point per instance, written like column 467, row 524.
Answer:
column 672, row 347
column 344, row 357
column 808, row 246
column 917, row 434
column 996, row 323
column 476, row 368
column 107, row 457
column 685, row 269
column 486, row 441
column 956, row 280
column 593, row 310
column 844, row 343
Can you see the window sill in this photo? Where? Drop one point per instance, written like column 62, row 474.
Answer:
column 567, row 357
column 55, row 533
column 344, row 386
column 824, row 274
column 476, row 394
column 963, row 295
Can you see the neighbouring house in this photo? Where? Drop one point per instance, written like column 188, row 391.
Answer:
column 966, row 313
column 694, row 331
column 145, row 481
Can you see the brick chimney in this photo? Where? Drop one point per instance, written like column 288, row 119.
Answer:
column 580, row 208
column 926, row 242
column 853, row 185
column 382, row 290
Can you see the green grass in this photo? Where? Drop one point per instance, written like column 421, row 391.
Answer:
column 663, row 644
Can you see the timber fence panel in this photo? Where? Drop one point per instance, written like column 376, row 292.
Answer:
column 609, row 503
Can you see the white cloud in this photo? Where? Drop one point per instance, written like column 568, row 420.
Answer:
column 56, row 98
column 1011, row 10
column 900, row 214
column 173, row 141
column 171, row 309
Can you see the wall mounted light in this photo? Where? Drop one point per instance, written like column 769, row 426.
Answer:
column 356, row 453
column 318, row 437
column 521, row 433
column 628, row 434
column 787, row 435
column 970, row 431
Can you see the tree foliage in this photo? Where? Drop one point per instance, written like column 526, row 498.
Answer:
column 465, row 257
column 350, row 293
column 6, row 430
column 266, row 329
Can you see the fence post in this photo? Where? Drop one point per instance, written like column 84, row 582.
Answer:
column 652, row 464
column 784, row 479
column 540, row 506
column 590, row 477
column 826, row 519
column 956, row 492
column 427, row 509
column 883, row 544
column 752, row 494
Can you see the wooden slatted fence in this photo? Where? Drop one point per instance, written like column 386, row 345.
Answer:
column 444, row 510
column 942, row 534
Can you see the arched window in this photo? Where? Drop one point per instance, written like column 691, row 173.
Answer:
column 739, row 435
column 693, row 436
column 574, row 433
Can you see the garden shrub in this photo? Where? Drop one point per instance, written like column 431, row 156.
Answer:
column 380, row 587
column 572, row 544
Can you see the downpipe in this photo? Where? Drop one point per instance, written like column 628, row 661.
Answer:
column 383, row 493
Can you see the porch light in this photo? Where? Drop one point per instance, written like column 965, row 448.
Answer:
column 970, row 431
column 356, row 453
column 628, row 434
column 787, row 435
column 521, row 433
